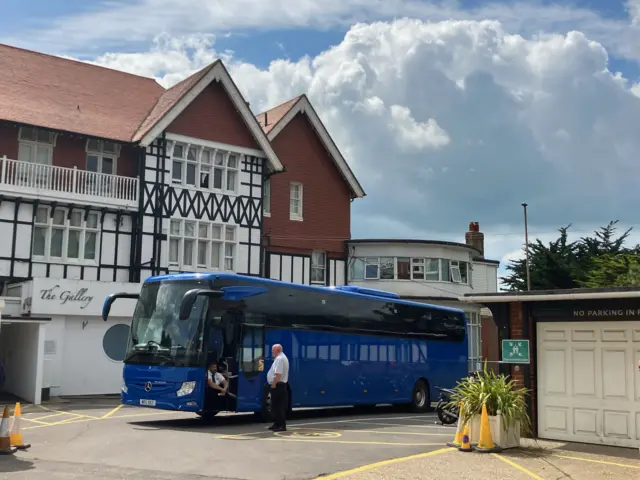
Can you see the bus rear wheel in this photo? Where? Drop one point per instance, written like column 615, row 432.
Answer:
column 420, row 400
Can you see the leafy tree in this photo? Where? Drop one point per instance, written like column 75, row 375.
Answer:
column 601, row 260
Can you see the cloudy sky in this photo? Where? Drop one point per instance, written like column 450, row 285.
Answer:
column 448, row 111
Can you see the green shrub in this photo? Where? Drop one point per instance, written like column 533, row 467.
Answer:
column 498, row 393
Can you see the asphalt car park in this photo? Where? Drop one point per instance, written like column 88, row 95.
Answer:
column 101, row 439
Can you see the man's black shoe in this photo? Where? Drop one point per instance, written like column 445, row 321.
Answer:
column 273, row 427
column 280, row 429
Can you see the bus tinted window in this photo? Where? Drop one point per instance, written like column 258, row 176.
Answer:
column 288, row 307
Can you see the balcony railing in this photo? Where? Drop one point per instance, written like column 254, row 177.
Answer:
column 35, row 179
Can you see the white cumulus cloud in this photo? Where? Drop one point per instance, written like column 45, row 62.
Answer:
column 493, row 119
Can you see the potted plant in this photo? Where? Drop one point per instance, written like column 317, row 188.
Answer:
column 506, row 406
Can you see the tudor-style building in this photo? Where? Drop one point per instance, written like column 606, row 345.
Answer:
column 107, row 178
column 307, row 208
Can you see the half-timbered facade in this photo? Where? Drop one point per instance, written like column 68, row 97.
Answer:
column 107, row 178
column 307, row 208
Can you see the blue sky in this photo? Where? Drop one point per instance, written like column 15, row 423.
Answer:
column 484, row 115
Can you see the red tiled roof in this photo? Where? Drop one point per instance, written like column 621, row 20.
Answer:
column 68, row 95
column 270, row 118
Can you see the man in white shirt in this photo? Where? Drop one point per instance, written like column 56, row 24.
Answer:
column 218, row 387
column 278, row 377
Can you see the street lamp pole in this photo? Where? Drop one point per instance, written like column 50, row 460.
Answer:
column 526, row 246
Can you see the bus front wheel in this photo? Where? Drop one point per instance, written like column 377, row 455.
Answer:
column 420, row 401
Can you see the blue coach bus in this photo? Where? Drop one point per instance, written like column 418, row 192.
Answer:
column 346, row 345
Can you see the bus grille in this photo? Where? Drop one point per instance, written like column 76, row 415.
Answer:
column 156, row 387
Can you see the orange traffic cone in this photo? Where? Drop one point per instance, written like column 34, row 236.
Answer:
column 485, row 444
column 457, row 440
column 5, row 441
column 16, row 435
column 466, row 441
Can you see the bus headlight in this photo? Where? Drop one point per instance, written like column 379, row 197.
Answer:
column 186, row 388
column 123, row 386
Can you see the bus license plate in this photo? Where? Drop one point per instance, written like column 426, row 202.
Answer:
column 148, row 403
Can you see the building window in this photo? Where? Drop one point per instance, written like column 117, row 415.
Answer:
column 474, row 329
column 387, row 270
column 356, row 269
column 36, row 145
column 404, row 268
column 458, row 271
column 318, row 267
column 295, row 201
column 65, row 236
column 207, row 168
column 199, row 245
column 371, row 268
column 102, row 156
column 266, row 200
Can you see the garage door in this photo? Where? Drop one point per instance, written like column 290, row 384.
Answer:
column 588, row 383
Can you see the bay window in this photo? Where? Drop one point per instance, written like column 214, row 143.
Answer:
column 201, row 245
column 407, row 268
column 203, row 167
column 65, row 236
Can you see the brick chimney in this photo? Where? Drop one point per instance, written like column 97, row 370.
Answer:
column 475, row 238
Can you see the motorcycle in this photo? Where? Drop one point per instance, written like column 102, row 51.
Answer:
column 447, row 413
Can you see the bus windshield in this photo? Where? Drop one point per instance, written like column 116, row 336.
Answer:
column 158, row 336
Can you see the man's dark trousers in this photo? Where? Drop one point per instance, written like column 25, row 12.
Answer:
column 279, row 400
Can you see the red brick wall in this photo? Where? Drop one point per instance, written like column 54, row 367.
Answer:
column 516, row 326
column 326, row 204
column 8, row 141
column 69, row 151
column 212, row 116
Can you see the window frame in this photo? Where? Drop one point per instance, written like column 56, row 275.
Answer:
column 293, row 215
column 317, row 267
column 100, row 153
column 203, row 167
column 373, row 262
column 66, row 227
column 266, row 197
column 211, row 241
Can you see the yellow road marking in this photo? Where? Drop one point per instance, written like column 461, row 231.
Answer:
column 289, row 439
column 383, row 432
column 66, row 413
column 437, row 427
column 107, row 415
column 384, row 463
column 517, row 467
column 34, row 421
column 49, row 416
column 89, row 419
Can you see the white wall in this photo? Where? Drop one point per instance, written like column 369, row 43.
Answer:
column 47, row 296
column 21, row 348
column 22, row 256
column 484, row 277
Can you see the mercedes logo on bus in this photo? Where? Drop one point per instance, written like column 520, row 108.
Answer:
column 147, row 387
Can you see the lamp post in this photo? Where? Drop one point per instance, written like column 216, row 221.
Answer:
column 526, row 246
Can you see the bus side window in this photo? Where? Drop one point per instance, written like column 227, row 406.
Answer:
column 252, row 350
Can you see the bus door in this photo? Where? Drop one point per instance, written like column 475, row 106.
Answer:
column 250, row 355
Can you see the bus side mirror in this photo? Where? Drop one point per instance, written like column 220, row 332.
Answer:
column 190, row 297
column 106, row 307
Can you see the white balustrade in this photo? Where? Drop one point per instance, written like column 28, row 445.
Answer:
column 31, row 177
